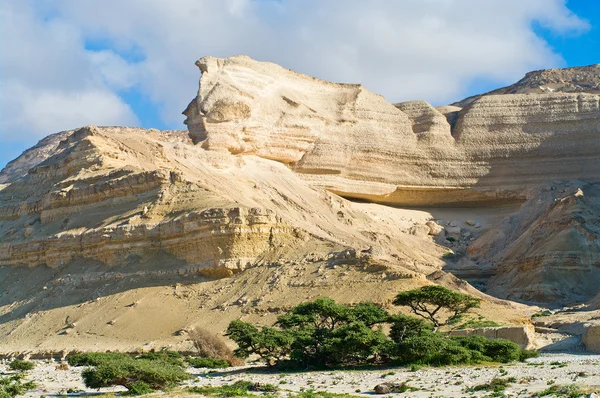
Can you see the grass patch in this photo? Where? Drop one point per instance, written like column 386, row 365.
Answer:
column 240, row 388
column 496, row 385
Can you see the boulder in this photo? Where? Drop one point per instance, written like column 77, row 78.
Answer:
column 591, row 338
column 434, row 228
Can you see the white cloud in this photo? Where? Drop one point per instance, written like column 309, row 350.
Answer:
column 49, row 82
column 410, row 49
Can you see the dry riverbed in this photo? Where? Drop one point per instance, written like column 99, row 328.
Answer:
column 536, row 375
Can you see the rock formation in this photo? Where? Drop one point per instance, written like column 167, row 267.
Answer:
column 549, row 251
column 350, row 141
column 121, row 226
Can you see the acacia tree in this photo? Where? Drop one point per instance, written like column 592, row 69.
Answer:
column 428, row 301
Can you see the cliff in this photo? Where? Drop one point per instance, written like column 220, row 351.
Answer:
column 352, row 142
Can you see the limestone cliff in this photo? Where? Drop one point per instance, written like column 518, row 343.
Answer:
column 350, row 141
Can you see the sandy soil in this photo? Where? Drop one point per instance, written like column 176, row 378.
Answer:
column 534, row 376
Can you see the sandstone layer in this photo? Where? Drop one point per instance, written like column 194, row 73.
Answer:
column 350, row 141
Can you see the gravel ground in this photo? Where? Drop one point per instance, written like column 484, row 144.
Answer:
column 535, row 375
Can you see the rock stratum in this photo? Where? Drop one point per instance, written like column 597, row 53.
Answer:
column 125, row 238
column 352, row 142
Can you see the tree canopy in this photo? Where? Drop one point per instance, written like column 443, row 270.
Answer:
column 428, row 301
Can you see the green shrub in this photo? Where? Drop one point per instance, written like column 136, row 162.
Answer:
column 212, row 363
column 172, row 357
column 139, row 388
column 157, row 373
column 95, row 358
column 21, row 365
column 240, row 388
column 12, row 386
column 567, row 391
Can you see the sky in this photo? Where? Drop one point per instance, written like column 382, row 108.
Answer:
column 71, row 63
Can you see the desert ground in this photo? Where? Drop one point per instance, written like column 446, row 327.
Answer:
column 534, row 376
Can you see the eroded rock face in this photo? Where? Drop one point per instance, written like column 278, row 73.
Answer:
column 352, row 142
column 116, row 196
column 548, row 252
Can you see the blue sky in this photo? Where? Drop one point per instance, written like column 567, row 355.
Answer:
column 68, row 63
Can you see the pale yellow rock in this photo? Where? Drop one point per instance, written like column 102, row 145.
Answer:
column 591, row 338
column 352, row 142
column 523, row 335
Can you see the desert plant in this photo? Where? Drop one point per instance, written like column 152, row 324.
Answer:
column 427, row 302
column 95, row 358
column 209, row 345
column 21, row 365
column 130, row 373
column 240, row 388
column 172, row 357
column 12, row 386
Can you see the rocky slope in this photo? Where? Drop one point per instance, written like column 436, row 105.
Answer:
column 115, row 216
column 580, row 79
column 350, row 141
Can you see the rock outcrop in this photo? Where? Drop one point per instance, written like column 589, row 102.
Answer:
column 580, row 79
column 352, row 142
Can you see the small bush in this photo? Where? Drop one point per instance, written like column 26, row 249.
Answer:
column 157, row 374
column 240, row 388
column 496, row 385
column 172, row 357
column 209, row 345
column 95, row 358
column 21, row 365
column 12, row 386
column 567, row 391
column 212, row 363
column 139, row 388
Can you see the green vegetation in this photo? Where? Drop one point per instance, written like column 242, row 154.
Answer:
column 21, row 365
column 212, row 363
column 496, row 385
column 541, row 314
column 95, row 358
column 240, row 388
column 473, row 323
column 322, row 333
column 567, row 391
column 12, row 386
column 147, row 372
column 427, row 302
